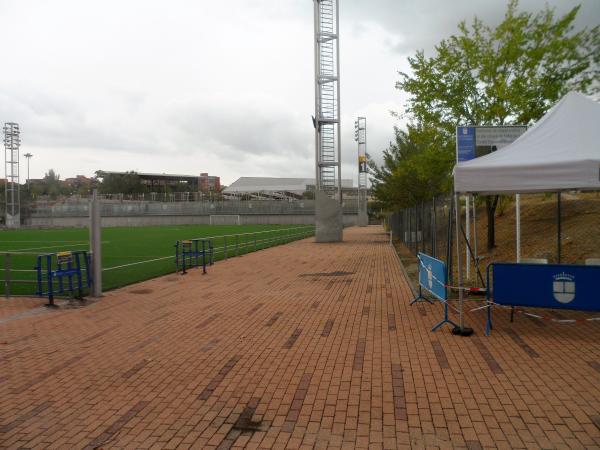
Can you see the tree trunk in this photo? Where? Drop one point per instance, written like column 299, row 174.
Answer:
column 491, row 202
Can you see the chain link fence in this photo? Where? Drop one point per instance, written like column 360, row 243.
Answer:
column 429, row 228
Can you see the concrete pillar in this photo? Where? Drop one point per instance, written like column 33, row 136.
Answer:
column 96, row 244
column 328, row 219
column 363, row 217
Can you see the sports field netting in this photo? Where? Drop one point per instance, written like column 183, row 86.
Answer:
column 130, row 255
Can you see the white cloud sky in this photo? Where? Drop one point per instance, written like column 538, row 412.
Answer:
column 190, row 86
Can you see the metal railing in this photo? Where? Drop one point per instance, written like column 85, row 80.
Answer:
column 18, row 277
column 223, row 247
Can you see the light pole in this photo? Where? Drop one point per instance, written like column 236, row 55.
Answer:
column 28, row 156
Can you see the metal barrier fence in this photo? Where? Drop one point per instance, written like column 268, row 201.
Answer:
column 429, row 228
column 426, row 227
column 18, row 277
column 19, row 274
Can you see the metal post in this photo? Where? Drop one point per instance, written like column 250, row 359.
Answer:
column 558, row 225
column 475, row 255
column 203, row 256
column 468, row 236
column 49, row 279
column 518, row 221
column 433, row 229
column 417, row 225
column 7, row 267
column 458, row 261
column 96, row 244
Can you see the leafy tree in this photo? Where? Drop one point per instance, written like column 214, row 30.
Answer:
column 416, row 167
column 51, row 184
column 127, row 183
column 510, row 74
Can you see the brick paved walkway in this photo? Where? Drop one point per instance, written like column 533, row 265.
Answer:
column 304, row 345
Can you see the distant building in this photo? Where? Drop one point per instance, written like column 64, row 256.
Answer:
column 158, row 181
column 209, row 183
column 266, row 187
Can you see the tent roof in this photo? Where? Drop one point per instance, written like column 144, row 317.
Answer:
column 560, row 152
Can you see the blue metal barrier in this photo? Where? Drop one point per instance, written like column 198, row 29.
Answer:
column 189, row 252
column 433, row 276
column 556, row 286
column 56, row 267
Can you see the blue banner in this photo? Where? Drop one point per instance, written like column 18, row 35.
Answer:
column 432, row 275
column 547, row 286
column 465, row 143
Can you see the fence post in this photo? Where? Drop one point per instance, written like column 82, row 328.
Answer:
column 96, row 245
column 7, row 267
column 433, row 229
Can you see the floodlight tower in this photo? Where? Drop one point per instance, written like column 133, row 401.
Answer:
column 328, row 183
column 12, row 143
column 360, row 136
column 28, row 157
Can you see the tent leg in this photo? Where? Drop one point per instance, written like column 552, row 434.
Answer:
column 475, row 255
column 461, row 329
column 558, row 226
column 518, row 220
column 468, row 236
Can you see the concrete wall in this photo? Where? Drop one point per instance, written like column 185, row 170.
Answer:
column 144, row 221
column 117, row 213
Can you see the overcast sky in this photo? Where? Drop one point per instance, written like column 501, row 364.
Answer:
column 225, row 87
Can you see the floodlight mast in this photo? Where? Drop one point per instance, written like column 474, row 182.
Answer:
column 360, row 136
column 328, row 150
column 12, row 144
column 327, row 98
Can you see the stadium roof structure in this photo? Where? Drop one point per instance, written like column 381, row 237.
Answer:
column 267, row 184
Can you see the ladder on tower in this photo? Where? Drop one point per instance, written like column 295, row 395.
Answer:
column 327, row 113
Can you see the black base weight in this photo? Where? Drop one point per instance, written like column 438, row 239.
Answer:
column 465, row 331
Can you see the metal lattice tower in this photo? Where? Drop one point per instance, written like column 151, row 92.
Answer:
column 360, row 136
column 12, row 143
column 327, row 98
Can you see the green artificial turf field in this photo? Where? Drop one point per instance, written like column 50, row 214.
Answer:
column 130, row 255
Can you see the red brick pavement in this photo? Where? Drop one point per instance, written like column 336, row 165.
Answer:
column 299, row 346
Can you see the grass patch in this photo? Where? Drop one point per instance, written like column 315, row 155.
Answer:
column 126, row 246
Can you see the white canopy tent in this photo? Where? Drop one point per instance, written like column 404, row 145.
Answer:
column 560, row 152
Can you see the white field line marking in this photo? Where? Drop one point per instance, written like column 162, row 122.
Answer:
column 44, row 242
column 17, row 250
column 172, row 256
column 136, row 263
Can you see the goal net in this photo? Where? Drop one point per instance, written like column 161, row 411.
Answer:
column 225, row 219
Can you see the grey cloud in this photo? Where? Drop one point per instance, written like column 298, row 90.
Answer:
column 242, row 129
column 58, row 121
column 422, row 24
